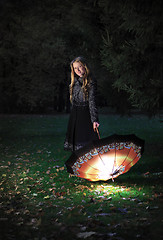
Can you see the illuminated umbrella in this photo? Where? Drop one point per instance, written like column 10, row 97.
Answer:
column 106, row 158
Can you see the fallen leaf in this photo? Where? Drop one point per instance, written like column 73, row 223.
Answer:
column 47, row 197
column 103, row 214
column 39, row 151
column 85, row 234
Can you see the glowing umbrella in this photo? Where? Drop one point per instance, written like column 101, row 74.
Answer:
column 106, row 158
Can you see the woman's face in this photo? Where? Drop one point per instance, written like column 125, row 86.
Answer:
column 79, row 69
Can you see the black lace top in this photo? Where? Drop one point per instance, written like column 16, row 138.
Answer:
column 79, row 100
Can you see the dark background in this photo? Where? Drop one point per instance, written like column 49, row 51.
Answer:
column 121, row 40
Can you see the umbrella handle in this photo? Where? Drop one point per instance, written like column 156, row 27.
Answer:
column 97, row 132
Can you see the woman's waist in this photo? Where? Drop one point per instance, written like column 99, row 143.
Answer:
column 80, row 104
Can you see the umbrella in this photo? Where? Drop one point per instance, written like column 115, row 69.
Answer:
column 106, row 158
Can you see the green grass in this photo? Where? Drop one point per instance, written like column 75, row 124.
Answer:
column 39, row 200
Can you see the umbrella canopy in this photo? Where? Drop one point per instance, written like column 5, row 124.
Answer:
column 106, row 158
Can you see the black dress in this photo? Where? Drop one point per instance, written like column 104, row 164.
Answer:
column 83, row 113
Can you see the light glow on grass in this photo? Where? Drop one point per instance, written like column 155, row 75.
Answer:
column 115, row 191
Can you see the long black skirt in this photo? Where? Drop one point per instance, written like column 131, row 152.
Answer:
column 80, row 129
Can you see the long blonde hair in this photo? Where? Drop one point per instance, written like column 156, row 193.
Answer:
column 86, row 77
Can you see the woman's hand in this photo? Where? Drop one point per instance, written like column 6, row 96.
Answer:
column 95, row 125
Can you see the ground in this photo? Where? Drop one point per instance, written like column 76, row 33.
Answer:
column 41, row 201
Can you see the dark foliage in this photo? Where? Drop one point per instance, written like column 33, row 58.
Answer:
column 122, row 41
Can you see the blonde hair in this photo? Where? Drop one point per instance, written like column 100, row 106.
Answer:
column 86, row 77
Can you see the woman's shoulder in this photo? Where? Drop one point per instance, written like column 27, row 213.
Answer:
column 75, row 81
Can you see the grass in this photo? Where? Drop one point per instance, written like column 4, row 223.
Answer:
column 40, row 201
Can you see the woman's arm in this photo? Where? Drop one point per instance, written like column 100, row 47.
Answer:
column 92, row 102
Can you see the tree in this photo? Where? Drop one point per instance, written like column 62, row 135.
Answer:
column 132, row 49
column 37, row 45
column 30, row 57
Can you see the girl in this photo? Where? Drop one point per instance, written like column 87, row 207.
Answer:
column 83, row 119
